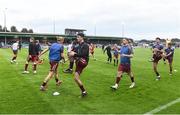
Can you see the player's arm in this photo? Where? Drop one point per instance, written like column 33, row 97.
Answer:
column 105, row 50
column 43, row 52
column 62, row 54
column 168, row 54
column 126, row 55
column 129, row 55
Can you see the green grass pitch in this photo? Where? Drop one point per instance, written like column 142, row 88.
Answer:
column 20, row 93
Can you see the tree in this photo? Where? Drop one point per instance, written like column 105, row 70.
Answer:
column 14, row 29
column 1, row 28
column 30, row 31
column 5, row 29
column 24, row 30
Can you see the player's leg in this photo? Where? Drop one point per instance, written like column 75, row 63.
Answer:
column 48, row 77
column 117, row 61
column 58, row 82
column 53, row 68
column 34, row 60
column 71, row 64
column 114, row 59
column 164, row 60
column 79, row 83
column 155, row 70
column 14, row 56
column 170, row 65
column 118, row 79
column 131, row 75
column 78, row 71
column 26, row 65
column 110, row 58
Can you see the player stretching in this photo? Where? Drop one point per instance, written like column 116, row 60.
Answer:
column 91, row 50
column 108, row 49
column 82, row 58
column 125, row 64
column 32, row 56
column 15, row 48
column 157, row 55
column 169, row 52
column 116, row 54
column 56, row 53
column 71, row 47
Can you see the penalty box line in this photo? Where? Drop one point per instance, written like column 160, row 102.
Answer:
column 156, row 110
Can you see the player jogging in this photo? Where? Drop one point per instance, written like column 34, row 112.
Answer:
column 15, row 48
column 91, row 50
column 169, row 53
column 115, row 54
column 157, row 55
column 125, row 64
column 56, row 53
column 32, row 56
column 108, row 49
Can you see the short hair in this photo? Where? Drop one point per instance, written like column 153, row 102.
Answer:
column 169, row 44
column 81, row 34
column 158, row 38
column 60, row 38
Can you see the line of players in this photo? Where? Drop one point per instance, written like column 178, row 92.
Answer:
column 79, row 53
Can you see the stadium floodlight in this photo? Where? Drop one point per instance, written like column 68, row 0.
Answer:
column 123, row 26
column 54, row 25
column 94, row 23
column 5, row 24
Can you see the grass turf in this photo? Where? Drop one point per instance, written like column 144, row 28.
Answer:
column 20, row 93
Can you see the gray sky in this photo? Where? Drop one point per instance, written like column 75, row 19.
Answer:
column 142, row 19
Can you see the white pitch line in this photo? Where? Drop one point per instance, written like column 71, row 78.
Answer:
column 163, row 107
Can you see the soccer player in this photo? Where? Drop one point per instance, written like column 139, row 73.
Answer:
column 82, row 58
column 32, row 56
column 169, row 53
column 103, row 47
column 167, row 43
column 56, row 53
column 71, row 47
column 39, row 61
column 125, row 64
column 157, row 55
column 108, row 49
column 115, row 54
column 91, row 50
column 15, row 48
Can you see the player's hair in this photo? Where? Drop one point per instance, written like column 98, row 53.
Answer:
column 60, row 38
column 32, row 38
column 81, row 34
column 158, row 38
column 37, row 41
column 126, row 39
column 169, row 44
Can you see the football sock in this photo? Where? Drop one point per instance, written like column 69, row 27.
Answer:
column 26, row 66
column 157, row 73
column 44, row 84
column 118, row 80
column 82, row 88
column 71, row 65
column 132, row 78
column 34, row 67
column 56, row 79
